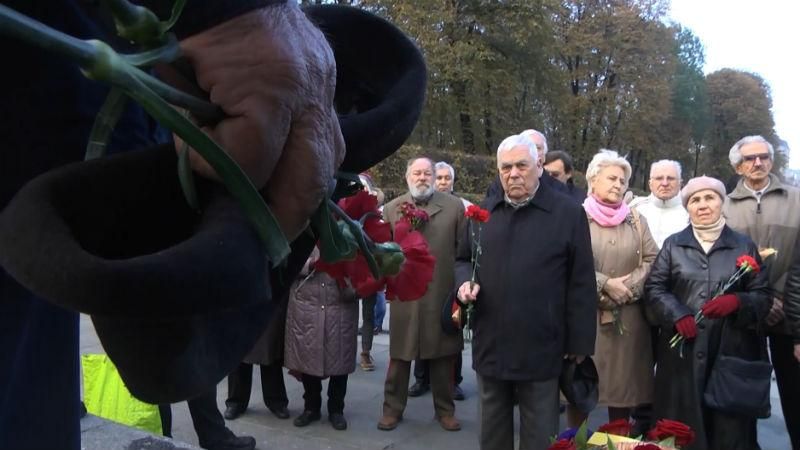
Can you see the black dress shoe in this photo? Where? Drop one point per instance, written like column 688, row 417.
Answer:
column 418, row 389
column 337, row 420
column 234, row 443
column 281, row 412
column 306, row 418
column 233, row 411
column 458, row 394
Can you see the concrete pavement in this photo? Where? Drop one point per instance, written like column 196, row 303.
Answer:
column 418, row 430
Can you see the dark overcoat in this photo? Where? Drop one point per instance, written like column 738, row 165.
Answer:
column 681, row 280
column 537, row 298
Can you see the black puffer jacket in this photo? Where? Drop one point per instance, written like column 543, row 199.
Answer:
column 681, row 280
column 791, row 295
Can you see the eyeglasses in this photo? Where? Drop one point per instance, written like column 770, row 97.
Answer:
column 663, row 178
column 761, row 156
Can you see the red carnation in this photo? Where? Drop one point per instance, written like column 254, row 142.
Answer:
column 364, row 206
column 748, row 261
column 619, row 427
column 476, row 213
column 562, row 444
column 647, row 446
column 666, row 428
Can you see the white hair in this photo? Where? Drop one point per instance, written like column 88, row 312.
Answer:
column 529, row 133
column 605, row 158
column 666, row 162
column 413, row 160
column 444, row 165
column 735, row 155
column 517, row 140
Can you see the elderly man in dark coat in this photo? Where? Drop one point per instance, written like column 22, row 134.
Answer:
column 416, row 326
column 534, row 299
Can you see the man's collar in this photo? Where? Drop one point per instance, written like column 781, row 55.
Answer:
column 666, row 204
column 741, row 191
column 543, row 199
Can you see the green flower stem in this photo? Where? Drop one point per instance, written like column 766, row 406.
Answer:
column 136, row 23
column 105, row 122
column 166, row 53
column 231, row 174
column 204, row 111
column 35, row 33
column 364, row 243
column 100, row 62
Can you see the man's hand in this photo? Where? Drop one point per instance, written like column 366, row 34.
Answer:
column 468, row 292
column 686, row 327
column 616, row 289
column 797, row 352
column 578, row 358
column 721, row 306
column 273, row 74
column 775, row 314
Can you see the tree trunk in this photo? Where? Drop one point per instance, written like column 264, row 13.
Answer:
column 464, row 118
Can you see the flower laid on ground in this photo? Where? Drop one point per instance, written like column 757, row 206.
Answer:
column 477, row 217
column 666, row 435
column 620, row 427
column 405, row 266
column 744, row 265
column 666, row 429
column 415, row 217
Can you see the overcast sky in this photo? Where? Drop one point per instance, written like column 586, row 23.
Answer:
column 757, row 36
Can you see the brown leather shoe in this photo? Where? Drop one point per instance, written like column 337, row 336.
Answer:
column 449, row 423
column 388, row 423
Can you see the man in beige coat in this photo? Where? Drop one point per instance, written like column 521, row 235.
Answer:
column 416, row 327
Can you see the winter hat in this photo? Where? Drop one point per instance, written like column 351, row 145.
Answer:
column 699, row 184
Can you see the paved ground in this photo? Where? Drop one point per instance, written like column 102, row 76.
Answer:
column 363, row 406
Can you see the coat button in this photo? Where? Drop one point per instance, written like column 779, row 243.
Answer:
column 613, row 242
column 323, row 306
column 704, row 266
column 701, row 355
column 701, row 325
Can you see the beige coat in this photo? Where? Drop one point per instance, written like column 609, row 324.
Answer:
column 416, row 330
column 624, row 362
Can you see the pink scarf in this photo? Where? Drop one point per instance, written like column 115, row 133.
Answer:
column 605, row 214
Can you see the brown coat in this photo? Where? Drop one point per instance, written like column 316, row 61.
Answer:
column 321, row 327
column 416, row 330
column 624, row 362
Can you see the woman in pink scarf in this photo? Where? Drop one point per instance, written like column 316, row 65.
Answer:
column 623, row 252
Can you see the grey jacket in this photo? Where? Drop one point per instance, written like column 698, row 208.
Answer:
column 773, row 221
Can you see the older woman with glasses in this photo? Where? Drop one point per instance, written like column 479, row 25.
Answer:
column 685, row 280
column 623, row 251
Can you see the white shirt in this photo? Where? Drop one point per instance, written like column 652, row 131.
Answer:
column 664, row 218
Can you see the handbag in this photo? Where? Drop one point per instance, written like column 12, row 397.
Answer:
column 737, row 385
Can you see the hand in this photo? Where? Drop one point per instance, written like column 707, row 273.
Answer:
column 686, row 327
column 720, row 306
column 578, row 358
column 775, row 314
column 273, row 74
column 797, row 352
column 616, row 289
column 468, row 292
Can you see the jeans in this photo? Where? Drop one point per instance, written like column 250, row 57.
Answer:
column 380, row 308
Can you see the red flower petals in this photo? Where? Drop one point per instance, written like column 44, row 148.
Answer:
column 748, row 261
column 665, row 428
column 476, row 213
column 620, row 427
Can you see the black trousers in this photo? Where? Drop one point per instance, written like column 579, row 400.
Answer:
column 422, row 371
column 337, row 389
column 206, row 418
column 787, row 375
column 240, row 383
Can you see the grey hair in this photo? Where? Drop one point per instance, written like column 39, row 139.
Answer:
column 444, row 165
column 533, row 132
column 667, row 162
column 605, row 158
column 516, row 140
column 413, row 160
column 735, row 155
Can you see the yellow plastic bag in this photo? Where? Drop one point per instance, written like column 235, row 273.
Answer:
column 106, row 396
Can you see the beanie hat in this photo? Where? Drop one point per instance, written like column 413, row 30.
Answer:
column 699, row 184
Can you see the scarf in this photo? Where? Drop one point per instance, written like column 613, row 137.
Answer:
column 605, row 214
column 706, row 235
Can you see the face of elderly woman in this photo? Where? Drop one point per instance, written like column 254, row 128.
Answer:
column 609, row 184
column 704, row 207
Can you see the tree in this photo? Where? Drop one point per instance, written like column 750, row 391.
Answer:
column 740, row 104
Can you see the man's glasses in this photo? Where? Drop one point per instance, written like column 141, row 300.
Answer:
column 761, row 156
column 662, row 178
